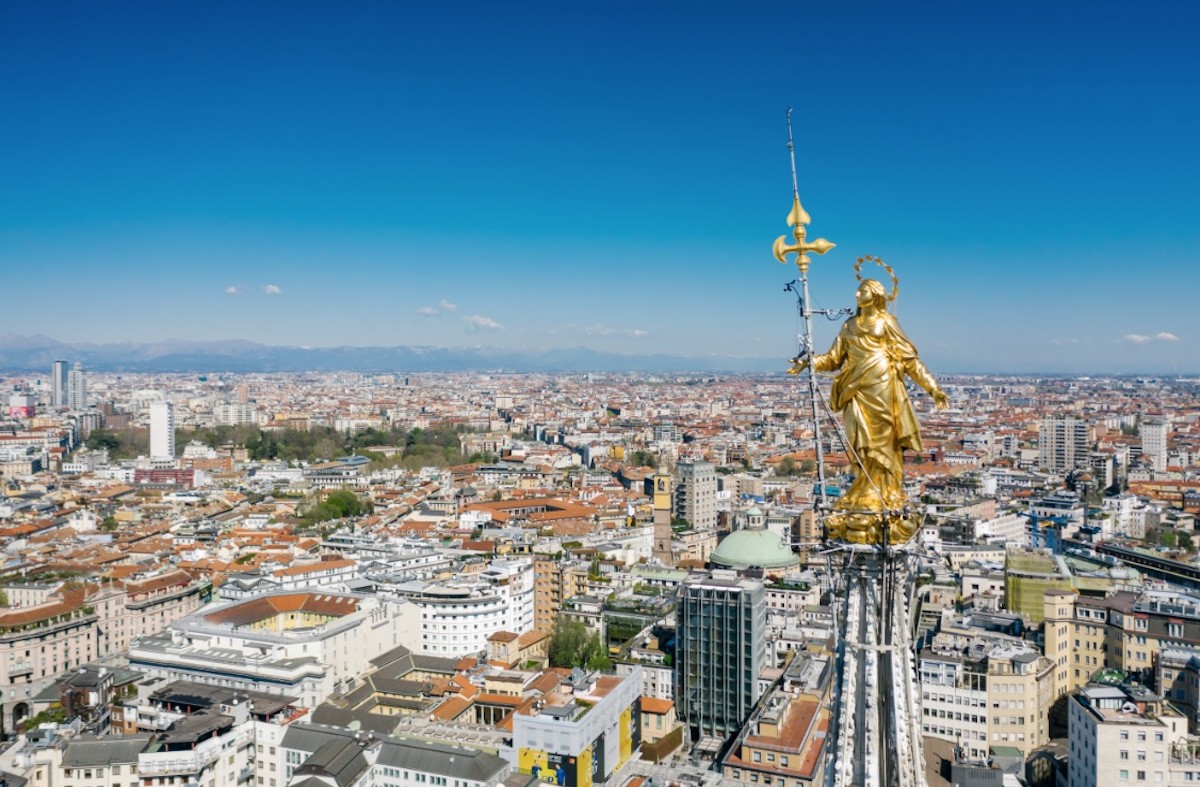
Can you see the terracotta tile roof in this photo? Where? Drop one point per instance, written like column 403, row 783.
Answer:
column 309, row 568
column 161, row 582
column 23, row 615
column 256, row 609
column 503, row 636
column 451, row 708
column 656, row 706
column 531, row 638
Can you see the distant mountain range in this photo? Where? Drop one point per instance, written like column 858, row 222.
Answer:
column 20, row 353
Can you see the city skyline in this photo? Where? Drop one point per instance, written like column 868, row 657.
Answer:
column 603, row 178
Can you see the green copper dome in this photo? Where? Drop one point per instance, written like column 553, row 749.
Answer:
column 754, row 547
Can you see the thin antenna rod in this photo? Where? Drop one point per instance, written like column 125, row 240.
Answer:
column 806, row 312
column 792, row 155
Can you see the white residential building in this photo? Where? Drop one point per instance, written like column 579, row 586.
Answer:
column 1154, row 441
column 457, row 617
column 162, row 431
column 1120, row 735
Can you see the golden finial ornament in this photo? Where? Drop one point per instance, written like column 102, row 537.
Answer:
column 797, row 219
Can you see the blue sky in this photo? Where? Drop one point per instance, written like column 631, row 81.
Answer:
column 608, row 175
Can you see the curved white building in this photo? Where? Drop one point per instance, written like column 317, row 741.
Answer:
column 457, row 617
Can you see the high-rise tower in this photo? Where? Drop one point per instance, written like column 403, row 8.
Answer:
column 1154, row 441
column 77, row 388
column 720, row 649
column 58, row 385
column 1063, row 444
column 696, row 494
column 162, row 431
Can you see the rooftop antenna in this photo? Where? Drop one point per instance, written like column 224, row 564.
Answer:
column 798, row 218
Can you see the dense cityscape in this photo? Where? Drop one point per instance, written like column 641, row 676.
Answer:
column 484, row 578
column 609, row 394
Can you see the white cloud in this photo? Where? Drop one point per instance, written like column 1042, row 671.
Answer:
column 1141, row 338
column 447, row 306
column 598, row 330
column 638, row 333
column 477, row 322
column 1061, row 342
column 233, row 290
column 272, row 289
column 427, row 311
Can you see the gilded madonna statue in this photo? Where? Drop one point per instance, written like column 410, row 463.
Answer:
column 872, row 358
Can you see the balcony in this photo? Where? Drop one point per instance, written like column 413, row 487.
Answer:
column 21, row 668
column 177, row 763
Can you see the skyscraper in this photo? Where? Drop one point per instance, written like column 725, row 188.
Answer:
column 719, row 651
column 77, row 388
column 696, row 494
column 58, row 385
column 162, row 431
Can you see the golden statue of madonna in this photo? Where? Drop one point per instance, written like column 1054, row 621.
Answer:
column 872, row 358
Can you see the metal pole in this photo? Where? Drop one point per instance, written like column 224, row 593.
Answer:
column 806, row 312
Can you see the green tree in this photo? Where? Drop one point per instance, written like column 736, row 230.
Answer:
column 336, row 505
column 572, row 645
column 642, row 458
column 1185, row 542
column 567, row 640
column 103, row 439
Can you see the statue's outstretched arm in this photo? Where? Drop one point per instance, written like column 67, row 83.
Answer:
column 828, row 362
column 921, row 376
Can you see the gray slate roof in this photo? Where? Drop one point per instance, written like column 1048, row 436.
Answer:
column 88, row 751
column 395, row 752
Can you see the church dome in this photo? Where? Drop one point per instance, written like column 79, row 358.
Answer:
column 754, row 547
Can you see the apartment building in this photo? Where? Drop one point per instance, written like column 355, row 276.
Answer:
column 696, row 494
column 1063, row 444
column 1124, row 735
column 784, row 741
column 65, row 628
column 1124, row 631
column 555, row 581
column 995, row 691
